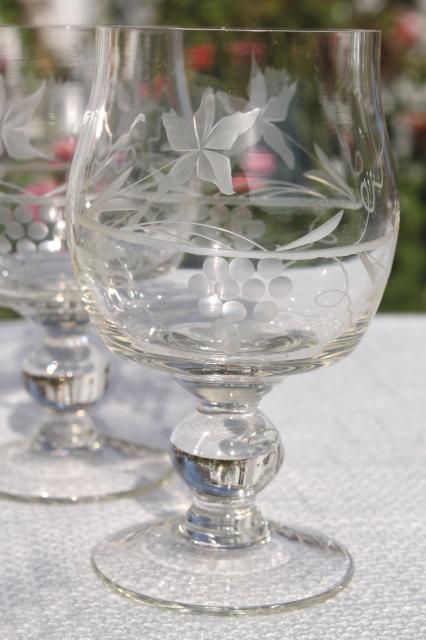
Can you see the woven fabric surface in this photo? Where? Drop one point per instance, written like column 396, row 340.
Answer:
column 355, row 469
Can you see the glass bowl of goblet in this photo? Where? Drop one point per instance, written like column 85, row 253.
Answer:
column 231, row 223
column 45, row 78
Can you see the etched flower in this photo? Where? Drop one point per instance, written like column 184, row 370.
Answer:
column 271, row 94
column 205, row 144
column 15, row 117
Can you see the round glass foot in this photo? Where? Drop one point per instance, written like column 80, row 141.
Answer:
column 156, row 565
column 109, row 469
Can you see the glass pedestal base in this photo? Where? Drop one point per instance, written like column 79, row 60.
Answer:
column 109, row 469
column 156, row 565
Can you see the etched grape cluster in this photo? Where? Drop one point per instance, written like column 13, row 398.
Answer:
column 27, row 228
column 239, row 297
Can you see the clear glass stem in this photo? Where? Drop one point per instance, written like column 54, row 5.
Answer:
column 226, row 457
column 225, row 523
column 61, row 432
column 66, row 375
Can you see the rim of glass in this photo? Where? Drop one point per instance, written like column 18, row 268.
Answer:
column 228, row 29
column 119, row 27
column 37, row 27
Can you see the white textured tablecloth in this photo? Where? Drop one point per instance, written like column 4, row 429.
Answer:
column 355, row 468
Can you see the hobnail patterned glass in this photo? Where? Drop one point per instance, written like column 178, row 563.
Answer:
column 234, row 215
column 45, row 79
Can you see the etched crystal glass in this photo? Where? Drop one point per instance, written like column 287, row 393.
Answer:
column 233, row 221
column 45, row 79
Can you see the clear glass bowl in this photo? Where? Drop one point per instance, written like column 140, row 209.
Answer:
column 232, row 223
column 45, row 77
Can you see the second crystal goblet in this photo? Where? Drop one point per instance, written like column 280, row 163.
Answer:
column 234, row 225
column 45, row 77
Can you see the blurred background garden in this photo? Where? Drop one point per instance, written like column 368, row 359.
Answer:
column 403, row 74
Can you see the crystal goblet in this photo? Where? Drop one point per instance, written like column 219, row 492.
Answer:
column 45, row 78
column 232, row 224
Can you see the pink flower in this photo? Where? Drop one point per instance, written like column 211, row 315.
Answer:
column 242, row 183
column 64, row 148
column 159, row 86
column 39, row 189
column 259, row 162
column 43, row 186
column 201, row 57
column 408, row 28
column 246, row 48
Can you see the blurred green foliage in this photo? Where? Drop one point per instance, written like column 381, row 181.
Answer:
column 7, row 314
column 406, row 290
column 250, row 14
column 10, row 12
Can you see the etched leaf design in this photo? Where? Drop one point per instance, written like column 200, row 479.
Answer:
column 14, row 129
column 229, row 128
column 372, row 267
column 331, row 176
column 184, row 168
column 257, row 89
column 204, row 116
column 20, row 112
column 275, row 139
column 215, row 167
column 112, row 197
column 317, row 234
column 180, row 133
column 271, row 109
column 231, row 103
column 277, row 107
